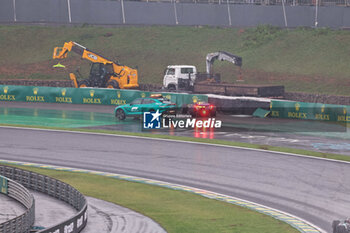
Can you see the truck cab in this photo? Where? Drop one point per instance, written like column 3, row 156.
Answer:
column 177, row 77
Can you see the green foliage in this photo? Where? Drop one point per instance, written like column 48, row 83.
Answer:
column 85, row 25
column 86, row 36
column 176, row 211
column 302, row 59
column 39, row 76
column 322, row 31
column 261, row 34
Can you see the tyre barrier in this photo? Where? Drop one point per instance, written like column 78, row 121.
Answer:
column 25, row 221
column 238, row 105
column 56, row 189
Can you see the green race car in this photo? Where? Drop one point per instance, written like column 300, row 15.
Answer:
column 138, row 106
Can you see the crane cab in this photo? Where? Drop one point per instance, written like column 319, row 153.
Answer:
column 177, row 77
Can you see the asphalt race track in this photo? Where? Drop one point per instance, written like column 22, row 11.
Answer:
column 313, row 189
column 308, row 135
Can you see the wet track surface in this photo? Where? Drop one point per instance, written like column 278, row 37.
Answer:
column 10, row 208
column 308, row 135
column 316, row 190
column 104, row 217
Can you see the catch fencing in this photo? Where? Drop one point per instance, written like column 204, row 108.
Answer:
column 260, row 2
column 25, row 221
column 232, row 13
column 55, row 189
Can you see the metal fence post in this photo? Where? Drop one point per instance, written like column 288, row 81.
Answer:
column 284, row 13
column 175, row 12
column 316, row 14
column 229, row 13
column 69, row 12
column 14, row 11
column 123, row 13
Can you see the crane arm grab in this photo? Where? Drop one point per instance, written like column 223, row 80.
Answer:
column 222, row 56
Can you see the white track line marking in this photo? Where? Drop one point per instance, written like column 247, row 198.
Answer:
column 300, row 224
column 181, row 141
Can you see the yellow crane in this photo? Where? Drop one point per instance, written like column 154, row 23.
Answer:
column 103, row 72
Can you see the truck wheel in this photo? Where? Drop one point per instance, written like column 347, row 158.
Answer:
column 120, row 114
column 84, row 83
column 113, row 84
column 184, row 109
column 171, row 88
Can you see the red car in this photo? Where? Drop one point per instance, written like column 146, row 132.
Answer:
column 201, row 109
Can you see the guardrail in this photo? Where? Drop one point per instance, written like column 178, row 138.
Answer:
column 310, row 111
column 53, row 188
column 259, row 2
column 299, row 13
column 101, row 96
column 25, row 221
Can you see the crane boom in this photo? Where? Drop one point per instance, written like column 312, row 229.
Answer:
column 62, row 52
column 222, row 56
column 103, row 73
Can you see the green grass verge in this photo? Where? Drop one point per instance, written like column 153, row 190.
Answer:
column 308, row 60
column 205, row 140
column 176, row 211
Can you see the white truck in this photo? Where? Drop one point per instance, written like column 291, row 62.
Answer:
column 184, row 77
column 178, row 77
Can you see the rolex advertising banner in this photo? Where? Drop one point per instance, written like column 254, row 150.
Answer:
column 310, row 111
column 3, row 185
column 85, row 95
